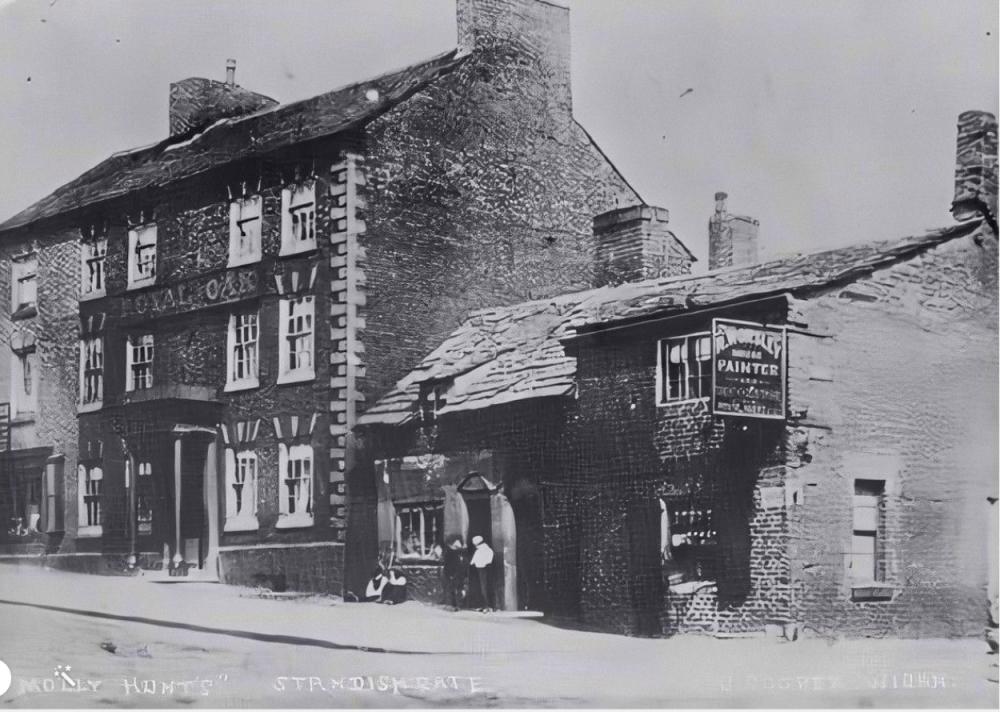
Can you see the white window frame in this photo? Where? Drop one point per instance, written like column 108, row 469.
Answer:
column 89, row 512
column 289, row 310
column 241, row 349
column 93, row 258
column 91, row 373
column 24, row 272
column 288, row 456
column 143, row 526
column 241, row 468
column 689, row 346
column 246, row 218
column 142, row 274
column 24, row 371
column 131, row 349
column 421, row 510
column 298, row 218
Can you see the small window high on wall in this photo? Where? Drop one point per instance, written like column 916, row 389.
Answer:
column 244, row 230
column 867, row 560
column 298, row 218
column 684, row 368
column 24, row 286
column 142, row 256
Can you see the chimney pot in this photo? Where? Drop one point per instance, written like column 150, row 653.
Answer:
column 231, row 72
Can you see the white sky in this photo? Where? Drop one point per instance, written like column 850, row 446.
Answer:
column 831, row 122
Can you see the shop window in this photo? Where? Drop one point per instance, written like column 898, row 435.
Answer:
column 688, row 539
column 295, row 335
column 92, row 255
column 24, row 286
column 25, row 492
column 245, row 230
column 684, row 368
column 24, row 383
column 142, row 256
column 241, row 490
column 139, row 363
column 90, row 479
column 295, row 468
column 242, row 351
column 298, row 218
column 420, row 531
column 91, row 372
column 866, row 561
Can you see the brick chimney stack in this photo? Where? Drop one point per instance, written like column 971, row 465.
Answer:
column 976, row 168
column 634, row 244
column 732, row 239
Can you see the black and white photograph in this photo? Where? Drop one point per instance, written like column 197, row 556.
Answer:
column 499, row 354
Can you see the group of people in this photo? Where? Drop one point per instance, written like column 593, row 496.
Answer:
column 388, row 586
column 457, row 563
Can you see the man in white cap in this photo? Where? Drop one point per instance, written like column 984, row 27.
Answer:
column 482, row 559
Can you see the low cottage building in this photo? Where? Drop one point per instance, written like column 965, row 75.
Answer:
column 196, row 324
column 805, row 442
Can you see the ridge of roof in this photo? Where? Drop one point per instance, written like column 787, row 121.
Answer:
column 529, row 360
column 238, row 138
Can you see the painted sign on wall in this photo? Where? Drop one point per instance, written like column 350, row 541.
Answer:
column 748, row 369
column 197, row 293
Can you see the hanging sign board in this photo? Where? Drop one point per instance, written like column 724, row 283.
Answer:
column 749, row 364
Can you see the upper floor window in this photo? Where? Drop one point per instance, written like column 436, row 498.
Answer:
column 92, row 256
column 298, row 218
column 244, row 230
column 241, row 351
column 295, row 475
column 295, row 334
column 241, row 490
column 24, row 286
column 685, row 368
column 142, row 256
column 139, row 362
column 24, row 382
column 91, row 371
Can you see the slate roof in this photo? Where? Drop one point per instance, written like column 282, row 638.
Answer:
column 512, row 353
column 239, row 138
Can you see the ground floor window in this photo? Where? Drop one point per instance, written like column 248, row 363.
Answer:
column 241, row 490
column 688, row 539
column 866, row 561
column 295, row 467
column 90, row 479
column 420, row 531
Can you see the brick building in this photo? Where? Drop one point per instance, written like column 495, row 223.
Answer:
column 791, row 444
column 211, row 313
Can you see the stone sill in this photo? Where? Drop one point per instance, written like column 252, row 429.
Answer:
column 288, row 378
column 872, row 592
column 89, row 532
column 140, row 284
column 236, row 386
column 284, row 251
column 89, row 407
column 667, row 404
column 293, row 521
column 242, row 524
column 90, row 296
column 23, row 419
column 25, row 312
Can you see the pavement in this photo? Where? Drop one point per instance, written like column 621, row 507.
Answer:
column 132, row 642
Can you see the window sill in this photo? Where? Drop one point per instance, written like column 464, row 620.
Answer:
column 89, row 296
column 242, row 261
column 241, row 524
column 425, row 562
column 296, row 377
column 872, row 591
column 22, row 419
column 234, row 386
column 294, row 521
column 89, row 407
column 89, row 532
column 304, row 250
column 663, row 404
column 139, row 284
column 24, row 312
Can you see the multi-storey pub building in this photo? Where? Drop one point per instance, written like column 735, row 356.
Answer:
column 803, row 443
column 195, row 325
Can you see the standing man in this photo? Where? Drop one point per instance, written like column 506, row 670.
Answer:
column 482, row 559
column 456, row 570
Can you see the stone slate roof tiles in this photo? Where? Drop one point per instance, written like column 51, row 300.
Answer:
column 239, row 138
column 512, row 353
